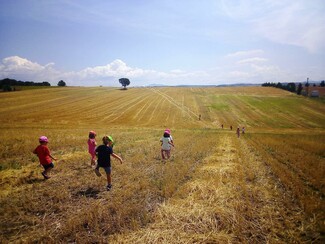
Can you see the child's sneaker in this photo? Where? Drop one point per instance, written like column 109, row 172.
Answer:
column 93, row 164
column 109, row 187
column 97, row 172
column 45, row 175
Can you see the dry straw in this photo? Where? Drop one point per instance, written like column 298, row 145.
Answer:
column 265, row 187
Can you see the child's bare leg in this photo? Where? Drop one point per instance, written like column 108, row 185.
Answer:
column 92, row 161
column 109, row 179
column 162, row 154
column 168, row 153
column 46, row 172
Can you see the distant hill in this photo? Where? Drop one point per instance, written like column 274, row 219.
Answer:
column 221, row 85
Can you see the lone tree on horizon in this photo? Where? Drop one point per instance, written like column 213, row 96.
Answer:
column 124, row 82
column 61, row 83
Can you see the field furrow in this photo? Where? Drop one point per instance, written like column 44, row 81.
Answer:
column 125, row 108
column 180, row 106
column 231, row 190
column 267, row 186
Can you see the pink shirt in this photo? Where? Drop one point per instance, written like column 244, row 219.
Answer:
column 92, row 146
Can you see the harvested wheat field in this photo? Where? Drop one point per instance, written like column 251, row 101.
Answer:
column 265, row 186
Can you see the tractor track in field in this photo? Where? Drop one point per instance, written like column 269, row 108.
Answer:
column 231, row 190
column 186, row 111
column 143, row 109
column 119, row 111
column 153, row 113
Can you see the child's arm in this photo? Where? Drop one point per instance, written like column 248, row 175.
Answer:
column 52, row 157
column 117, row 157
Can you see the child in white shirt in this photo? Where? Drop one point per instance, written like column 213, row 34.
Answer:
column 166, row 144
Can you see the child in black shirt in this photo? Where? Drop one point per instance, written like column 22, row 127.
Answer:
column 103, row 153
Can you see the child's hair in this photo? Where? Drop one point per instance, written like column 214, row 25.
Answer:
column 166, row 134
column 92, row 134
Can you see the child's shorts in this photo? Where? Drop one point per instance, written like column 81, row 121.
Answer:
column 46, row 166
column 108, row 170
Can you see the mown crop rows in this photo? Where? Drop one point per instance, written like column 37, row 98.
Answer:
column 266, row 186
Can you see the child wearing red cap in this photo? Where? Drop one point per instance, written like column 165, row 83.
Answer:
column 44, row 156
column 92, row 147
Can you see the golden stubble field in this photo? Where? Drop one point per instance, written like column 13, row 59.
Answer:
column 265, row 187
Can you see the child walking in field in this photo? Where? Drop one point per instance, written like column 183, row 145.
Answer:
column 44, row 156
column 92, row 147
column 166, row 145
column 104, row 160
column 170, row 135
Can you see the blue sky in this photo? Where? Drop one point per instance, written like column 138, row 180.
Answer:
column 206, row 42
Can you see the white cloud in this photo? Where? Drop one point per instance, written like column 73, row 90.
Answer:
column 110, row 73
column 24, row 69
column 16, row 63
column 237, row 70
column 299, row 23
column 252, row 60
column 295, row 24
column 247, row 53
column 19, row 68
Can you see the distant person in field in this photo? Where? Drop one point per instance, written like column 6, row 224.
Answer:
column 199, row 116
column 222, row 126
column 104, row 153
column 238, row 132
column 231, row 127
column 243, row 130
column 92, row 147
column 166, row 145
column 45, row 157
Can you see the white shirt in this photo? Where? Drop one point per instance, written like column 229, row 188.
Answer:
column 165, row 143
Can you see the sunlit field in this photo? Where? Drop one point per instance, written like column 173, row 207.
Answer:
column 267, row 186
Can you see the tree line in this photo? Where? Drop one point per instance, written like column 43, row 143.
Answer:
column 291, row 86
column 8, row 84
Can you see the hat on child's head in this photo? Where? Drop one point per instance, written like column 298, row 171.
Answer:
column 92, row 132
column 108, row 138
column 43, row 139
column 167, row 131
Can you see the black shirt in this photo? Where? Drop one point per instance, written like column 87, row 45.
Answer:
column 103, row 154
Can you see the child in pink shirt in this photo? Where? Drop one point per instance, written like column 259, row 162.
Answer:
column 92, row 147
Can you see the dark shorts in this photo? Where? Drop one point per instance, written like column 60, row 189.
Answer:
column 108, row 170
column 46, row 166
